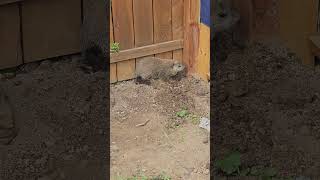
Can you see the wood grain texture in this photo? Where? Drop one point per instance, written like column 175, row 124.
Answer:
column 113, row 67
column 191, row 34
column 148, row 50
column 50, row 28
column 94, row 30
column 295, row 28
column 143, row 23
column 203, row 60
column 122, row 12
column 177, row 25
column 244, row 30
column 186, row 48
column 162, row 24
column 10, row 46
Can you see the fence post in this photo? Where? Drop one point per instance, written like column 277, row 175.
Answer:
column 196, row 53
column 192, row 31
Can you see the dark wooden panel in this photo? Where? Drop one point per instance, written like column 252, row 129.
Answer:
column 10, row 48
column 50, row 28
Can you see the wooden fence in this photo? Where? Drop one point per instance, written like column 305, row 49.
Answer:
column 163, row 28
column 33, row 30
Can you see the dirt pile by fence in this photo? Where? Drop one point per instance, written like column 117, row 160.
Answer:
column 61, row 115
column 148, row 137
column 267, row 108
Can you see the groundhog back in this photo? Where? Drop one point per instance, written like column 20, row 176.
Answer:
column 155, row 68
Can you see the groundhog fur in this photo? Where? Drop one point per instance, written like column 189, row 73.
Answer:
column 156, row 68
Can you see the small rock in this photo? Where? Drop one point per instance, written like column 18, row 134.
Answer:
column 195, row 170
column 205, row 123
column 205, row 140
column 206, row 171
column 114, row 148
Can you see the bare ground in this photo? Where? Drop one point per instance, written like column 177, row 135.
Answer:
column 166, row 144
column 268, row 109
column 61, row 114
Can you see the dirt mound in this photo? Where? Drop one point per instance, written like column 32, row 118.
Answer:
column 266, row 107
column 165, row 142
column 61, row 116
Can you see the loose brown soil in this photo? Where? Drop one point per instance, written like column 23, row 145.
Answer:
column 268, row 107
column 61, row 114
column 175, row 146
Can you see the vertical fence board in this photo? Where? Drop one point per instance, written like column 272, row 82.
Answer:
column 162, row 24
column 143, row 23
column 191, row 36
column 50, row 28
column 186, row 48
column 298, row 19
column 177, row 25
column 113, row 67
column 124, row 34
column 10, row 47
column 244, row 30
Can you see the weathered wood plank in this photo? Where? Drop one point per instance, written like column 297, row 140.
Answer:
column 203, row 61
column 295, row 28
column 162, row 24
column 113, row 67
column 191, row 34
column 10, row 46
column 177, row 25
column 146, row 50
column 50, row 28
column 122, row 11
column 143, row 23
column 244, row 30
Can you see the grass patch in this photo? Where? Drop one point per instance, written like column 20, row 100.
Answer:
column 162, row 176
column 231, row 166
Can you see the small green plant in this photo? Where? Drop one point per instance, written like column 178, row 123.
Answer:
column 231, row 164
column 183, row 113
column 194, row 119
column 115, row 47
column 162, row 176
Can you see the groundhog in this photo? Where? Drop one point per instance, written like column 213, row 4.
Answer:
column 155, row 68
column 8, row 129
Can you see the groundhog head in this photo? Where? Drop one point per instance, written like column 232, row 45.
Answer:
column 177, row 68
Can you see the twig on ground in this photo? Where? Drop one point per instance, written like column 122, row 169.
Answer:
column 143, row 124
